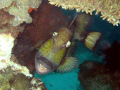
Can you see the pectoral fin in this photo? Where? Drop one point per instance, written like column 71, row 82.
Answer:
column 68, row 64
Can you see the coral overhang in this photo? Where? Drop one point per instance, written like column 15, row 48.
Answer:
column 110, row 9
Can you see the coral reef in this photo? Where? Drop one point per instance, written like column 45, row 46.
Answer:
column 45, row 21
column 6, row 26
column 95, row 76
column 5, row 18
column 6, row 44
column 19, row 9
column 12, row 80
column 110, row 9
column 37, row 84
column 13, row 76
column 8, row 33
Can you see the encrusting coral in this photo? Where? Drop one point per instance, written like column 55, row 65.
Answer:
column 110, row 9
column 19, row 9
column 11, row 80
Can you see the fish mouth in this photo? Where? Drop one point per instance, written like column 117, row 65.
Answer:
column 41, row 69
column 43, row 65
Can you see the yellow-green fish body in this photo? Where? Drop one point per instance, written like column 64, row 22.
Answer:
column 52, row 53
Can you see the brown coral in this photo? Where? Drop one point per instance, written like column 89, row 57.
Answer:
column 6, row 24
column 110, row 9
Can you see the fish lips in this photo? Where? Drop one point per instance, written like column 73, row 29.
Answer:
column 43, row 65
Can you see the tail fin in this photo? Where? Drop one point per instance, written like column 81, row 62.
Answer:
column 91, row 39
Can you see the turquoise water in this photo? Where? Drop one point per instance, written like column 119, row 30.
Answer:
column 59, row 81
